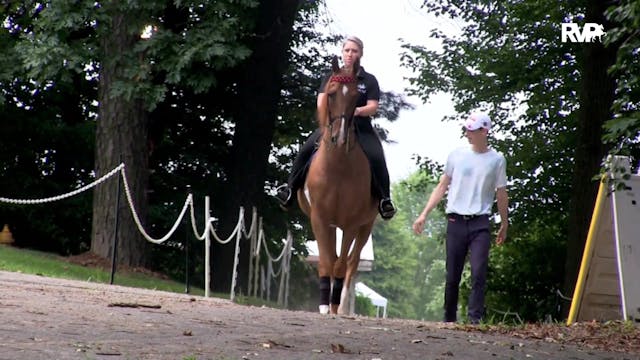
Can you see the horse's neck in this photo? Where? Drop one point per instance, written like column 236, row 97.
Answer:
column 339, row 145
column 347, row 154
column 341, row 174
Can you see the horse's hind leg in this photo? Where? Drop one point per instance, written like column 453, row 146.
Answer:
column 362, row 236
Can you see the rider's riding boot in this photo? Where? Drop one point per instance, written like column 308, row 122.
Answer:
column 283, row 195
column 386, row 209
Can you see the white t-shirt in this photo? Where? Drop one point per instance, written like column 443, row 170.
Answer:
column 474, row 180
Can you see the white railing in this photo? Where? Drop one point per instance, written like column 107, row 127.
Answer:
column 255, row 234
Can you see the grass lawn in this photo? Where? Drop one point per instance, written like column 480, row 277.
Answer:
column 50, row 265
column 55, row 266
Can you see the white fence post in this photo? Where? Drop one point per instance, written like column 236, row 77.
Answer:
column 207, row 247
column 236, row 256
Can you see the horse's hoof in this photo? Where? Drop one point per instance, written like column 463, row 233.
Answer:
column 334, row 308
column 324, row 309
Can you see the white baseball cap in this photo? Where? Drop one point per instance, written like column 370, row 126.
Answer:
column 476, row 121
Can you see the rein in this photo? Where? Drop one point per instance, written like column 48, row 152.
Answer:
column 334, row 138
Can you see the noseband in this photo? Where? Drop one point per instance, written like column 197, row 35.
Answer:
column 341, row 79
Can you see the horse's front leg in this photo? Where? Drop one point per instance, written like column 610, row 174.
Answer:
column 326, row 238
column 340, row 292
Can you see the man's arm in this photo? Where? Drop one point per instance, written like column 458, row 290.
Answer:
column 503, row 209
column 436, row 196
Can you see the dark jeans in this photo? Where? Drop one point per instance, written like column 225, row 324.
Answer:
column 466, row 235
column 372, row 148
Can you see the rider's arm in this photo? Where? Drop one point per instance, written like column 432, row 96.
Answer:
column 321, row 100
column 368, row 110
column 321, row 106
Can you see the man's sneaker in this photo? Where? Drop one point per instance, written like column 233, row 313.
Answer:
column 283, row 195
column 386, row 209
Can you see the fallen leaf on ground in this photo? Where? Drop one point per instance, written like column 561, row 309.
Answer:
column 339, row 348
column 271, row 344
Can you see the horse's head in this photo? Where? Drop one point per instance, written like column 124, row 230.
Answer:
column 342, row 94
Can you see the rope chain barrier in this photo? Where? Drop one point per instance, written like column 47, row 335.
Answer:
column 136, row 217
column 63, row 196
column 255, row 234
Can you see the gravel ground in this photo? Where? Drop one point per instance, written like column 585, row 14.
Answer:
column 46, row 318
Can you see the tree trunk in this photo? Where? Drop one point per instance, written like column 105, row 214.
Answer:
column 121, row 136
column 596, row 99
column 259, row 84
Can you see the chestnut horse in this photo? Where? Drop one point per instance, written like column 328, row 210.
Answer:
column 337, row 191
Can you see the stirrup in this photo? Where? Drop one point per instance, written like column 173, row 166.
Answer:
column 283, row 195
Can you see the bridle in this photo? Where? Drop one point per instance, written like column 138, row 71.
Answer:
column 341, row 79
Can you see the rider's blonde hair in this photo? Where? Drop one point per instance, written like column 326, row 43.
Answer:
column 356, row 40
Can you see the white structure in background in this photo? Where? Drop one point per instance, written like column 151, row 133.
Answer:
column 379, row 301
column 607, row 287
column 366, row 264
column 366, row 255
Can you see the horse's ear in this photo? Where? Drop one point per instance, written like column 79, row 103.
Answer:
column 356, row 67
column 334, row 64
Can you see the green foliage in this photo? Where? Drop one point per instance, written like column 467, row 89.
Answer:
column 507, row 59
column 187, row 43
column 46, row 151
column 529, row 269
column 409, row 269
column 185, row 72
column 364, row 306
column 393, row 274
column 623, row 128
column 48, row 78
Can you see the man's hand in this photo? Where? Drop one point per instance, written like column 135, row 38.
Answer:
column 418, row 225
column 502, row 234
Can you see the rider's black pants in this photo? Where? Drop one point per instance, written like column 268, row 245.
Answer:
column 371, row 146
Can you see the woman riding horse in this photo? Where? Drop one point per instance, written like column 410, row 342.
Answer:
column 366, row 106
column 337, row 191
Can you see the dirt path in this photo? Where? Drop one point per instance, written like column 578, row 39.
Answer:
column 45, row 318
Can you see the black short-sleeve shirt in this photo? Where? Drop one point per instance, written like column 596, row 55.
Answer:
column 367, row 87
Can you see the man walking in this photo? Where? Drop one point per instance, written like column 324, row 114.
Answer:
column 473, row 176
